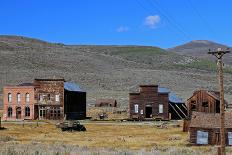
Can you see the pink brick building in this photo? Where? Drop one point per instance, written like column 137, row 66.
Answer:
column 18, row 102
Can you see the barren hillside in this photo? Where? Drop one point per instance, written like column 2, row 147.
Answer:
column 106, row 71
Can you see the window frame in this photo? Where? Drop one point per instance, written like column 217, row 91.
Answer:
column 202, row 140
column 27, row 111
column 18, row 96
column 27, row 97
column 136, row 108
column 161, row 108
column 9, row 113
column 9, row 97
column 57, row 97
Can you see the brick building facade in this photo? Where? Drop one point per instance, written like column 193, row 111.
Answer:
column 18, row 102
column 43, row 99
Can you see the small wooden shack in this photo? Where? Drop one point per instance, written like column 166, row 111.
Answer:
column 204, row 128
column 106, row 103
column 74, row 101
column 204, row 101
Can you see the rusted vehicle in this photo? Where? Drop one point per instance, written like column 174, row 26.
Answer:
column 71, row 126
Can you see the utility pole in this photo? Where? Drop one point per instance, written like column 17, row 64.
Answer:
column 219, row 54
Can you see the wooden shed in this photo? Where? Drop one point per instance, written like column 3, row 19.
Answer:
column 106, row 103
column 204, row 101
column 204, row 128
column 74, row 102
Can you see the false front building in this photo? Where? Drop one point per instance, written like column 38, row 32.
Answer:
column 43, row 99
column 152, row 102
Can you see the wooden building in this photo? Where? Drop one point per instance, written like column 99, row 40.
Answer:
column 151, row 102
column 74, row 102
column 204, row 101
column 49, row 94
column 106, row 103
column 204, row 128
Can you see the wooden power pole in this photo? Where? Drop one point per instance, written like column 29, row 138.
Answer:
column 219, row 54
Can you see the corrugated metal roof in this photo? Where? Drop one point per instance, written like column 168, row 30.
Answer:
column 71, row 86
column 172, row 97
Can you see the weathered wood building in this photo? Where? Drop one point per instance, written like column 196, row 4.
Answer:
column 74, row 102
column 106, row 103
column 204, row 128
column 151, row 102
column 204, row 101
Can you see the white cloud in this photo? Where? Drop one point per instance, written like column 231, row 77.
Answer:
column 152, row 21
column 122, row 29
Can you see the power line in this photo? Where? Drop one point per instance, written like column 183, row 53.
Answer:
column 201, row 17
column 181, row 32
column 169, row 18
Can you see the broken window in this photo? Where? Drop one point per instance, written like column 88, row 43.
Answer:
column 202, row 137
column 230, row 138
column 193, row 106
column 161, row 108
column 136, row 106
column 205, row 104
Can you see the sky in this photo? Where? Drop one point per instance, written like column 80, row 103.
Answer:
column 163, row 23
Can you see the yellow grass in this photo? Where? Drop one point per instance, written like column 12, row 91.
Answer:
column 109, row 136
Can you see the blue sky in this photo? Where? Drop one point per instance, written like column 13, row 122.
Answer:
column 164, row 23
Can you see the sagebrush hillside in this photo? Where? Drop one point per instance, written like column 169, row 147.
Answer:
column 105, row 71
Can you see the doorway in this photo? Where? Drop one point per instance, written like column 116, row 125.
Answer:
column 42, row 113
column 148, row 112
column 18, row 113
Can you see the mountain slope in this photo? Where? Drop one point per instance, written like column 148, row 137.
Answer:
column 199, row 48
column 103, row 71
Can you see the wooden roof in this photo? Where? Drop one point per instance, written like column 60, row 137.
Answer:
column 210, row 120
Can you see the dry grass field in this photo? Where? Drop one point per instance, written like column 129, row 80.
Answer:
column 110, row 138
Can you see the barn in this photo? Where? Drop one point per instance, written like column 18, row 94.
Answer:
column 204, row 101
column 204, row 128
column 153, row 102
column 106, row 103
column 74, row 102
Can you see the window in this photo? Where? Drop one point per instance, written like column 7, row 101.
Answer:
column 40, row 97
column 9, row 97
column 49, row 97
column 141, row 112
column 202, row 137
column 205, row 104
column 18, row 97
column 161, row 108
column 136, row 106
column 27, row 97
column 9, row 112
column 27, row 111
column 230, row 138
column 57, row 98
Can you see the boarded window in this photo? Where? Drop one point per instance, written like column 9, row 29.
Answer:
column 9, row 97
column 136, row 106
column 161, row 108
column 57, row 98
column 202, row 137
column 230, row 138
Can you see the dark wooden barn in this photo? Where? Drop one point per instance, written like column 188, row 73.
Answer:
column 152, row 102
column 204, row 128
column 204, row 101
column 74, row 102
column 106, row 103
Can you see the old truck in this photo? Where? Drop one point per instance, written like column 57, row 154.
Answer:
column 71, row 126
